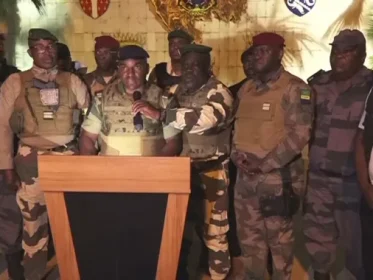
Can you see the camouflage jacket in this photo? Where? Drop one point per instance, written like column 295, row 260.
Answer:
column 96, row 83
column 339, row 107
column 112, row 119
column 204, row 117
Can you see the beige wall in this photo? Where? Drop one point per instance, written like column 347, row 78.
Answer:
column 227, row 39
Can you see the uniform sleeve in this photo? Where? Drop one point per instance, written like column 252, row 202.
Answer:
column 93, row 122
column 81, row 92
column 9, row 92
column 298, row 106
column 213, row 114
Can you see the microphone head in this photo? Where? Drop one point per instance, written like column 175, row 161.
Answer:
column 136, row 95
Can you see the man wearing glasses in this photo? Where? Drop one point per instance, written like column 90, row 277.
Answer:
column 43, row 107
column 106, row 49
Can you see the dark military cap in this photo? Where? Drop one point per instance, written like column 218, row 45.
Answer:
column 40, row 34
column 269, row 39
column 195, row 48
column 132, row 51
column 246, row 53
column 63, row 51
column 349, row 38
column 180, row 33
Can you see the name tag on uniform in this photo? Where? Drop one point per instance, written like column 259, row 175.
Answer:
column 48, row 115
column 266, row 106
column 49, row 97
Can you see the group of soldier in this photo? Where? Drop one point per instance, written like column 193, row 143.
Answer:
column 245, row 143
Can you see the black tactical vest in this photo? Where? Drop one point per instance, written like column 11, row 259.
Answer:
column 165, row 80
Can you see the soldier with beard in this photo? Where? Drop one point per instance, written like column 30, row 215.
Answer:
column 200, row 109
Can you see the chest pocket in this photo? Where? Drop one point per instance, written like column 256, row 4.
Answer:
column 257, row 124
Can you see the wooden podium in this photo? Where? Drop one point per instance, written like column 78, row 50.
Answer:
column 61, row 175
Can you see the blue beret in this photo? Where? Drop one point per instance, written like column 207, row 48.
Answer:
column 132, row 51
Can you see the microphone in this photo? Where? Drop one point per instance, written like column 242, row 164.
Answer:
column 137, row 119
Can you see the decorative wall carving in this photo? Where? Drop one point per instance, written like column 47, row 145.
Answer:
column 185, row 13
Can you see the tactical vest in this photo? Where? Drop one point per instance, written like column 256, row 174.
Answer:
column 119, row 136
column 165, row 80
column 259, row 125
column 44, row 120
column 211, row 145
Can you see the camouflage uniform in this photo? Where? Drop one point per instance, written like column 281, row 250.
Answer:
column 96, row 83
column 112, row 119
column 38, row 134
column 204, row 118
column 333, row 197
column 273, row 124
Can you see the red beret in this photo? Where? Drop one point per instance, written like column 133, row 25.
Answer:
column 106, row 42
column 268, row 38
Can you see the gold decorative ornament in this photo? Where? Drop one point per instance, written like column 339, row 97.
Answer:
column 185, row 13
column 128, row 38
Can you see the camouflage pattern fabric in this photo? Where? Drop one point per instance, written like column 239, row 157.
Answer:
column 31, row 201
column 10, row 219
column 276, row 138
column 331, row 212
column 204, row 118
column 258, row 234
column 207, row 220
column 96, row 83
column 333, row 190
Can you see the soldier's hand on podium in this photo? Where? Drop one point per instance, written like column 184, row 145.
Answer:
column 145, row 109
column 11, row 179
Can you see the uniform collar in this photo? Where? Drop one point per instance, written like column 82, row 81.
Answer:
column 271, row 79
column 100, row 79
column 122, row 89
column 45, row 75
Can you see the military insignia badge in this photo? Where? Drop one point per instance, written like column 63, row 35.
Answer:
column 197, row 7
column 94, row 8
column 49, row 97
column 300, row 7
column 305, row 96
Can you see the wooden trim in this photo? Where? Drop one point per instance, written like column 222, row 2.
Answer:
column 173, row 230
column 62, row 237
column 101, row 174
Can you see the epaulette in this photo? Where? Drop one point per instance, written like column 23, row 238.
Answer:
column 314, row 77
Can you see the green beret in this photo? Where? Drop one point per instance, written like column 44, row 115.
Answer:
column 180, row 33
column 35, row 34
column 195, row 48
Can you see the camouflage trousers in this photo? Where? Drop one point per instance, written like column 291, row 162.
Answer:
column 10, row 219
column 205, row 242
column 258, row 234
column 32, row 204
column 331, row 210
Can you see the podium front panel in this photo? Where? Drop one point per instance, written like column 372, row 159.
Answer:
column 116, row 217
column 116, row 235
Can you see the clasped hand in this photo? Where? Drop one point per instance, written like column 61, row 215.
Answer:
column 145, row 109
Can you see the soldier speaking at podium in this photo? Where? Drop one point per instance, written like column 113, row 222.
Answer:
column 43, row 106
column 110, row 121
